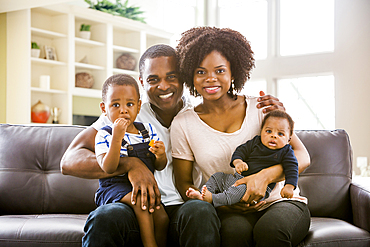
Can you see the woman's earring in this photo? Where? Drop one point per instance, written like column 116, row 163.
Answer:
column 232, row 88
column 195, row 93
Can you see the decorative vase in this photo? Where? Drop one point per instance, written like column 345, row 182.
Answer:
column 126, row 61
column 40, row 112
column 55, row 112
column 85, row 34
column 84, row 79
column 35, row 53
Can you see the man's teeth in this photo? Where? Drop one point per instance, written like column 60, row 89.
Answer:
column 165, row 96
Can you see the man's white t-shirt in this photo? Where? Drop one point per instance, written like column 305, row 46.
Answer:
column 164, row 178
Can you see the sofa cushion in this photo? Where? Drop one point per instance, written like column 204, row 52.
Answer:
column 30, row 178
column 327, row 180
column 42, row 230
column 329, row 232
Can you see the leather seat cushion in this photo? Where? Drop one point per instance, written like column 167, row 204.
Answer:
column 42, row 230
column 328, row 232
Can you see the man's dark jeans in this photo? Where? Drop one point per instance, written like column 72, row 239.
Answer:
column 194, row 223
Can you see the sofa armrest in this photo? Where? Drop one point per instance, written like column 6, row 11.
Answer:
column 360, row 199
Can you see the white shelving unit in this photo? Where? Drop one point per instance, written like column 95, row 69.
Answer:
column 58, row 26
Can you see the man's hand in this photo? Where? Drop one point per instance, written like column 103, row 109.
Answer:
column 269, row 103
column 143, row 180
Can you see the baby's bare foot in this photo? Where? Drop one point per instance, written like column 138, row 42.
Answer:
column 193, row 194
column 206, row 194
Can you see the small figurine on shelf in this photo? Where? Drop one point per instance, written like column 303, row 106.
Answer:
column 55, row 112
column 85, row 31
column 40, row 112
column 35, row 50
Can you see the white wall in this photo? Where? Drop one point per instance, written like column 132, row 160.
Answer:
column 351, row 71
column 350, row 64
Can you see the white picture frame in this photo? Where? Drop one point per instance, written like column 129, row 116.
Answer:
column 50, row 53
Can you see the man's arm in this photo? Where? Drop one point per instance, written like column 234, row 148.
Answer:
column 269, row 103
column 79, row 160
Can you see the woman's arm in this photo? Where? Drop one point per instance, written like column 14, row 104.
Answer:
column 300, row 153
column 183, row 171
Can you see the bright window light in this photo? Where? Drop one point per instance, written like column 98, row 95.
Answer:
column 253, row 88
column 249, row 17
column 178, row 21
column 310, row 101
column 306, row 26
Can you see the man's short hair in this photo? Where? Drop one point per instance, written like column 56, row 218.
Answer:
column 155, row 51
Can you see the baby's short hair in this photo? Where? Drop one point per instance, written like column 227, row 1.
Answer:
column 119, row 79
column 280, row 114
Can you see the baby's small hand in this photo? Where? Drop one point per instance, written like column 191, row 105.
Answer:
column 119, row 127
column 241, row 167
column 158, row 148
column 287, row 191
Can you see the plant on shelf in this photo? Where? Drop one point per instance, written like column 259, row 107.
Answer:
column 85, row 27
column 85, row 31
column 35, row 50
column 118, row 9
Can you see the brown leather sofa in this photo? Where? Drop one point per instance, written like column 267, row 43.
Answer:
column 41, row 207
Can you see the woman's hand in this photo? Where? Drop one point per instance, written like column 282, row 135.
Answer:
column 269, row 103
column 256, row 187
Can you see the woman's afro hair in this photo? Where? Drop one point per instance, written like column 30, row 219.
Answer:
column 196, row 43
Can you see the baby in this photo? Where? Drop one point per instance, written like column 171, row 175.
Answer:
column 265, row 150
column 123, row 137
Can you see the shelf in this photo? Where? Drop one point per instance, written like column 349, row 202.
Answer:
column 88, row 43
column 117, row 48
column 89, row 66
column 123, row 71
column 58, row 26
column 47, row 33
column 47, row 62
column 86, row 92
column 51, row 91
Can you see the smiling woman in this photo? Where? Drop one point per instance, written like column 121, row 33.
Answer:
column 215, row 64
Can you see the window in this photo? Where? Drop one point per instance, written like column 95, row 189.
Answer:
column 249, row 17
column 306, row 26
column 309, row 100
column 253, row 88
column 181, row 20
